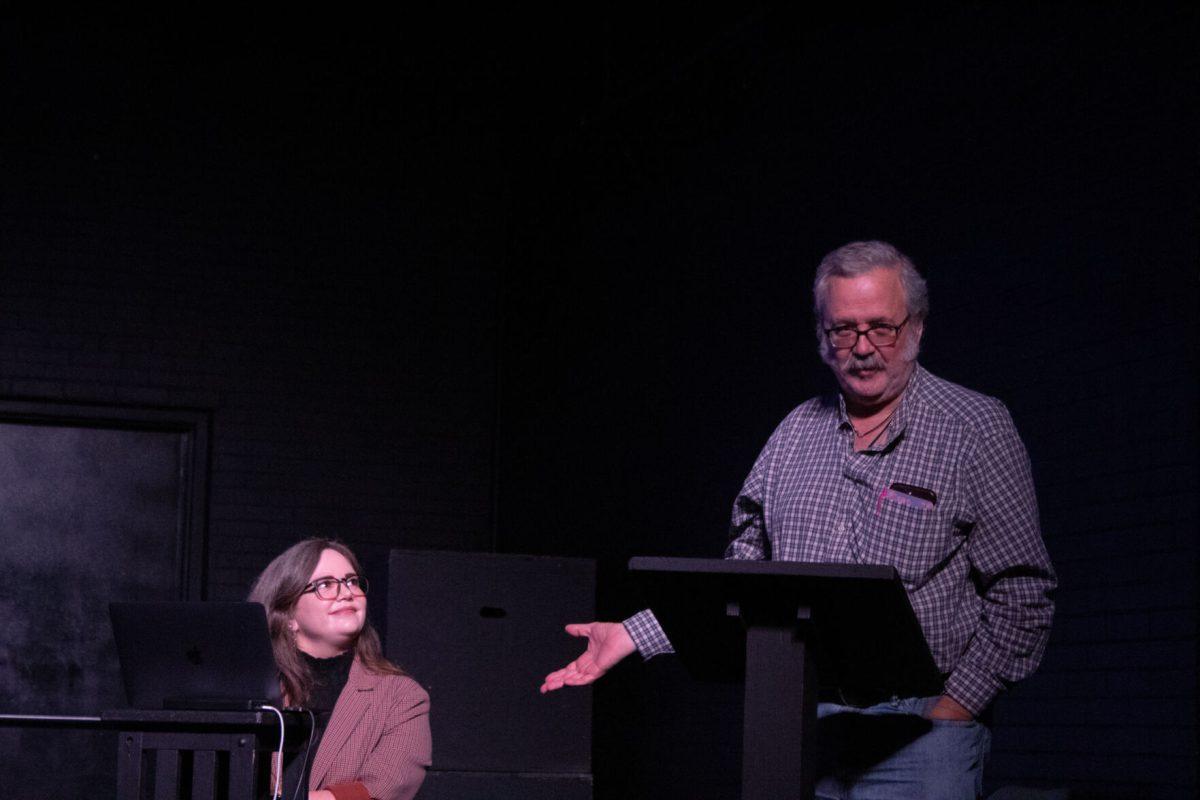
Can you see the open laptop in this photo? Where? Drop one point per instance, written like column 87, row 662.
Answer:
column 195, row 655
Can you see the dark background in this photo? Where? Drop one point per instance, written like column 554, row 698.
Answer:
column 536, row 281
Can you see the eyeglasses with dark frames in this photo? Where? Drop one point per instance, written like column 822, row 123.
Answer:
column 879, row 334
column 329, row 588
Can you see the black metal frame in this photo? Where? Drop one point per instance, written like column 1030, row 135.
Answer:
column 192, row 426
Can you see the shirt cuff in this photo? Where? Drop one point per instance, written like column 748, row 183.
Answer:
column 974, row 690
column 647, row 635
column 348, row 791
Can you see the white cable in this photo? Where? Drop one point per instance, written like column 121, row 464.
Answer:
column 279, row 762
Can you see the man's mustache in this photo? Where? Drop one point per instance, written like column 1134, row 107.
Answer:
column 854, row 362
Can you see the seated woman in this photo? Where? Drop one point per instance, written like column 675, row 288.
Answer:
column 372, row 719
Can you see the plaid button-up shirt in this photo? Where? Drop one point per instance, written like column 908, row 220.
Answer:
column 973, row 561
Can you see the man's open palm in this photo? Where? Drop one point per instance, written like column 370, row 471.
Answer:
column 608, row 643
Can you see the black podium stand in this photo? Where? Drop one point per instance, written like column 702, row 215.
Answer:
column 200, row 754
column 789, row 629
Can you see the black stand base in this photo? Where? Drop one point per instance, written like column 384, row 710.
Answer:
column 779, row 739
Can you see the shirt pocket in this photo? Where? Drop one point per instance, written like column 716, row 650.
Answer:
column 916, row 541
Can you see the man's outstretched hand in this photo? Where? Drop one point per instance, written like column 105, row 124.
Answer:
column 608, row 643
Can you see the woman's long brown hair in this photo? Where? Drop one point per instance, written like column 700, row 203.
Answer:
column 278, row 588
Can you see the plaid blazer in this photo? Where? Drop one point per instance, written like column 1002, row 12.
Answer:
column 378, row 736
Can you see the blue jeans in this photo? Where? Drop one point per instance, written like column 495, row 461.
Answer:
column 890, row 751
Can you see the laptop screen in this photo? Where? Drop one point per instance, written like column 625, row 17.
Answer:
column 203, row 655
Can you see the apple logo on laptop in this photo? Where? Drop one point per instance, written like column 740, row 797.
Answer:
column 193, row 655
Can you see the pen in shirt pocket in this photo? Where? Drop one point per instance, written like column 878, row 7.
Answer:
column 907, row 495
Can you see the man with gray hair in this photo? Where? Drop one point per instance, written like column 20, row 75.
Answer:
column 905, row 469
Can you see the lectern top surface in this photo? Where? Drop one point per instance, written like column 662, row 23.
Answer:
column 741, row 567
column 858, row 617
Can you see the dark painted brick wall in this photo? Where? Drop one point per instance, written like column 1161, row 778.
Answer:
column 350, row 378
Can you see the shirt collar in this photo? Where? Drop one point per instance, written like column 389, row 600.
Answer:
column 899, row 421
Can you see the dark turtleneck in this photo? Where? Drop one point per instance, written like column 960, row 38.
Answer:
column 329, row 678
